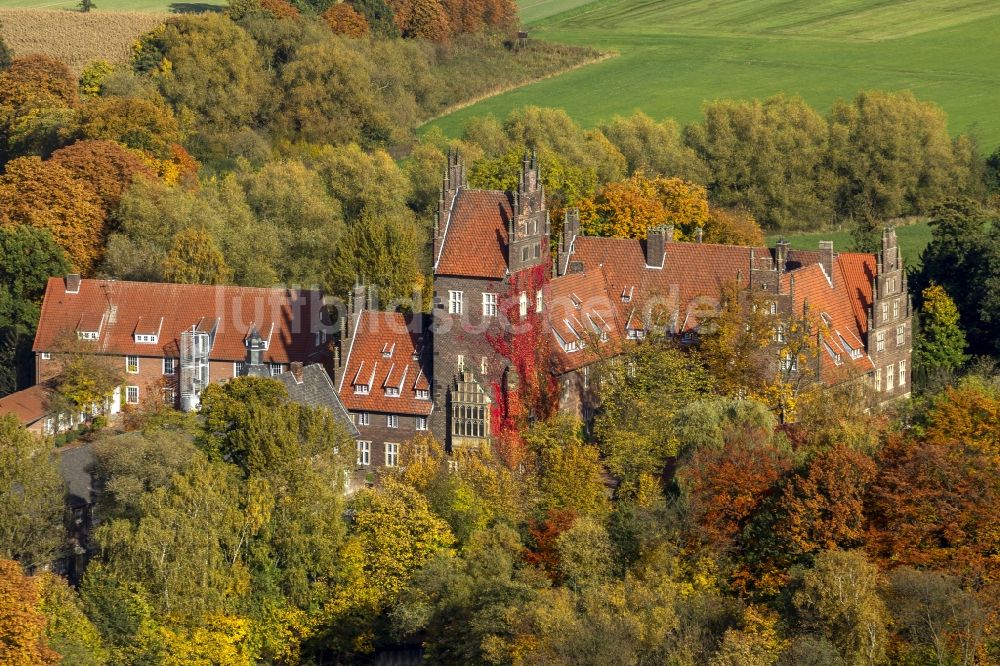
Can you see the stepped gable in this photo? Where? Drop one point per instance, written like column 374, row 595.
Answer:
column 116, row 312
column 475, row 241
column 585, row 322
column 385, row 367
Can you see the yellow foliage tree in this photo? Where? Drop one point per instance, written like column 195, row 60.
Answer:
column 22, row 624
column 630, row 208
column 195, row 258
column 218, row 640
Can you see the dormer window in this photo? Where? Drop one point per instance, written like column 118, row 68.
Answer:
column 146, row 339
column 392, row 391
column 577, row 303
column 636, row 334
column 387, row 350
column 423, row 394
column 826, row 319
column 627, row 293
column 362, row 389
column 87, row 335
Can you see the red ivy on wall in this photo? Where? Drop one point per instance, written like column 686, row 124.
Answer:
column 525, row 344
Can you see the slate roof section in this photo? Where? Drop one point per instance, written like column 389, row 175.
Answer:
column 367, row 364
column 291, row 318
column 29, row 405
column 315, row 389
column 475, row 236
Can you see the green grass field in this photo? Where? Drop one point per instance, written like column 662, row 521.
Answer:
column 677, row 54
column 913, row 238
column 159, row 6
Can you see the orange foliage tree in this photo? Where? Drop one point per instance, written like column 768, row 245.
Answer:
column 22, row 624
column 477, row 15
column 35, row 82
column 343, row 20
column 935, row 506
column 279, row 9
column 822, row 507
column 630, row 208
column 424, row 19
column 108, row 167
column 46, row 195
column 732, row 227
column 967, row 414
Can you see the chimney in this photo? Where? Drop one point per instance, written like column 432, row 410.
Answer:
column 826, row 257
column 698, row 233
column 296, row 368
column 73, row 283
column 781, row 250
column 571, row 229
column 656, row 241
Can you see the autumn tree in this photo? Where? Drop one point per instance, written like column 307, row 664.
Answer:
column 379, row 17
column 134, row 122
column 966, row 415
column 31, row 497
column 28, row 257
column 344, row 20
column 838, row 597
column 822, row 506
column 767, row 157
column 732, row 227
column 424, row 19
column 68, row 630
column 932, row 506
column 629, row 209
column 105, row 165
column 22, row 623
column 640, row 395
column 655, row 148
column 383, row 250
column 48, row 196
column 194, row 258
column 84, row 379
column 36, row 82
column 569, row 471
column 6, row 55
column 940, row 348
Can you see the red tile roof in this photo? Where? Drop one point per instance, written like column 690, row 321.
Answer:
column 691, row 279
column 580, row 310
column 834, row 303
column 475, row 236
column 29, row 405
column 290, row 319
column 384, row 354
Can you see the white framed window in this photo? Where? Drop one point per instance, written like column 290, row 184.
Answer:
column 772, row 307
column 539, row 303
column 392, row 421
column 902, row 373
column 392, row 391
column 238, row 368
column 50, row 426
column 144, row 339
column 364, row 418
column 489, row 305
column 423, row 394
column 169, row 366
column 900, row 335
column 880, row 341
column 895, row 308
column 421, row 423
column 460, row 362
column 885, row 311
column 890, row 372
column 46, row 356
column 391, row 454
column 483, row 365
column 132, row 365
column 522, row 304
column 878, row 379
column 87, row 335
column 132, row 395
column 361, row 389
column 779, row 334
column 275, row 369
column 169, row 396
column 454, row 302
column 364, row 452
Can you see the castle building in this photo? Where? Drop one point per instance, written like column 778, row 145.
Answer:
column 493, row 272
